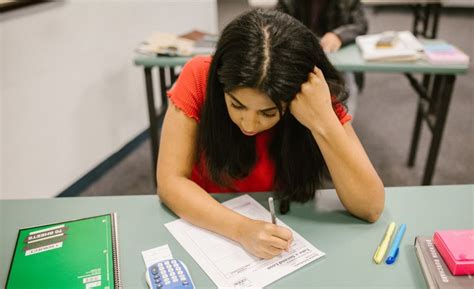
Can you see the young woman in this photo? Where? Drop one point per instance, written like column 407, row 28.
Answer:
column 262, row 114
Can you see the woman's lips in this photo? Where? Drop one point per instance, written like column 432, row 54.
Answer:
column 248, row 133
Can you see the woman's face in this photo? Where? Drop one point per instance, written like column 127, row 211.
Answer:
column 251, row 110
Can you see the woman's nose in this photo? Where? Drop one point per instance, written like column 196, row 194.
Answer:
column 249, row 122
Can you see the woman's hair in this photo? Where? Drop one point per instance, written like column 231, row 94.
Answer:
column 274, row 53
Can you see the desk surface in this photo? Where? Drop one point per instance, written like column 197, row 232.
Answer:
column 347, row 58
column 348, row 242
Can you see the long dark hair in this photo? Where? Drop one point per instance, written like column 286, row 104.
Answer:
column 274, row 53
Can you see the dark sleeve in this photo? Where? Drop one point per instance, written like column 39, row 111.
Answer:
column 286, row 6
column 357, row 24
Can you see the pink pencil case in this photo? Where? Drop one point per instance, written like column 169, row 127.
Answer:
column 457, row 249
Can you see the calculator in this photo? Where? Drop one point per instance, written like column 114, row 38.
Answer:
column 169, row 274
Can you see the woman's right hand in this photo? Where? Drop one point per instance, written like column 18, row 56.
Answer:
column 264, row 240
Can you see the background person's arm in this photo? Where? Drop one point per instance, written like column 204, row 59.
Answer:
column 189, row 201
column 358, row 24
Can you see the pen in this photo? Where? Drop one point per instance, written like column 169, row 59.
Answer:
column 382, row 248
column 393, row 252
column 272, row 209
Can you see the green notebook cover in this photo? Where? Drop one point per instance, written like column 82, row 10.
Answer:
column 80, row 254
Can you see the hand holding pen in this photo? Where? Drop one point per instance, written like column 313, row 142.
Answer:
column 263, row 239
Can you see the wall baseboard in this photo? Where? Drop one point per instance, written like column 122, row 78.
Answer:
column 80, row 185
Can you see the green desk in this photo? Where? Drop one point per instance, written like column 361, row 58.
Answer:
column 434, row 92
column 348, row 242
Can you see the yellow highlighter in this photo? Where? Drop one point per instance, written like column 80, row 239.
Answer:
column 382, row 248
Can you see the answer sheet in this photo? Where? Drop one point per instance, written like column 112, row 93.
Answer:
column 228, row 264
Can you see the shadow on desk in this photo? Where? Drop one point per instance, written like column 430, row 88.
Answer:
column 325, row 208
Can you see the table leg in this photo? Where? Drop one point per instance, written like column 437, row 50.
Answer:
column 436, row 13
column 422, row 15
column 153, row 129
column 446, row 89
column 173, row 75
column 416, row 134
column 423, row 96
column 163, row 87
column 156, row 119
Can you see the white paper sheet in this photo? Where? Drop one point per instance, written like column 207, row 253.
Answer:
column 228, row 264
column 157, row 254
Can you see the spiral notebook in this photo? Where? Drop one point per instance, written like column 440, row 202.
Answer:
column 73, row 254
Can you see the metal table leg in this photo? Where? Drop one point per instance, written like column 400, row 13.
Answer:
column 424, row 96
column 433, row 105
column 416, row 134
column 422, row 15
column 156, row 118
column 441, row 112
column 153, row 129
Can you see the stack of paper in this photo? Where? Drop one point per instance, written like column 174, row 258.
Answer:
column 169, row 44
column 228, row 264
column 405, row 48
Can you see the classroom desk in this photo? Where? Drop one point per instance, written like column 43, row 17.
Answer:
column 434, row 92
column 349, row 243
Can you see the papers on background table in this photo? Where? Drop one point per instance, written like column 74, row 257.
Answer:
column 405, row 47
column 168, row 44
column 228, row 264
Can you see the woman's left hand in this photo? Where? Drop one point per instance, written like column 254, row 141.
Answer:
column 330, row 42
column 312, row 105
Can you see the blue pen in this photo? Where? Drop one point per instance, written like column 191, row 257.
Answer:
column 392, row 254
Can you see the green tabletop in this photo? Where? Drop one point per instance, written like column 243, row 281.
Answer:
column 347, row 58
column 160, row 61
column 349, row 243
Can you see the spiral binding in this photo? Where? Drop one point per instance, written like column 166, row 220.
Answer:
column 115, row 252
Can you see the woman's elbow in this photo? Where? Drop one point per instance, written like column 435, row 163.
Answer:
column 377, row 206
column 162, row 188
column 373, row 216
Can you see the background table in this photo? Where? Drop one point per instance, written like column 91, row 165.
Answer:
column 434, row 92
column 349, row 243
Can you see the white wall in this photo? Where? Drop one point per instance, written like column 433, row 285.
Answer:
column 1, row 113
column 70, row 94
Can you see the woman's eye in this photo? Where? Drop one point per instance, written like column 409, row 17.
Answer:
column 268, row 115
column 236, row 106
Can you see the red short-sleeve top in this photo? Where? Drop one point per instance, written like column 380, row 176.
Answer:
column 188, row 94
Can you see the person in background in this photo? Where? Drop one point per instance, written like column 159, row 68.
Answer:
column 262, row 114
column 335, row 23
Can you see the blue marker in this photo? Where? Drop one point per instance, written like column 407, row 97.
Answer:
column 393, row 253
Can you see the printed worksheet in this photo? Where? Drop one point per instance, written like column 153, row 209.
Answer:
column 228, row 264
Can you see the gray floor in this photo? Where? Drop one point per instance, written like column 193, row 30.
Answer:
column 383, row 121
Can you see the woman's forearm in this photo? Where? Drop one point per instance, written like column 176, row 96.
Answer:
column 192, row 203
column 357, row 183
